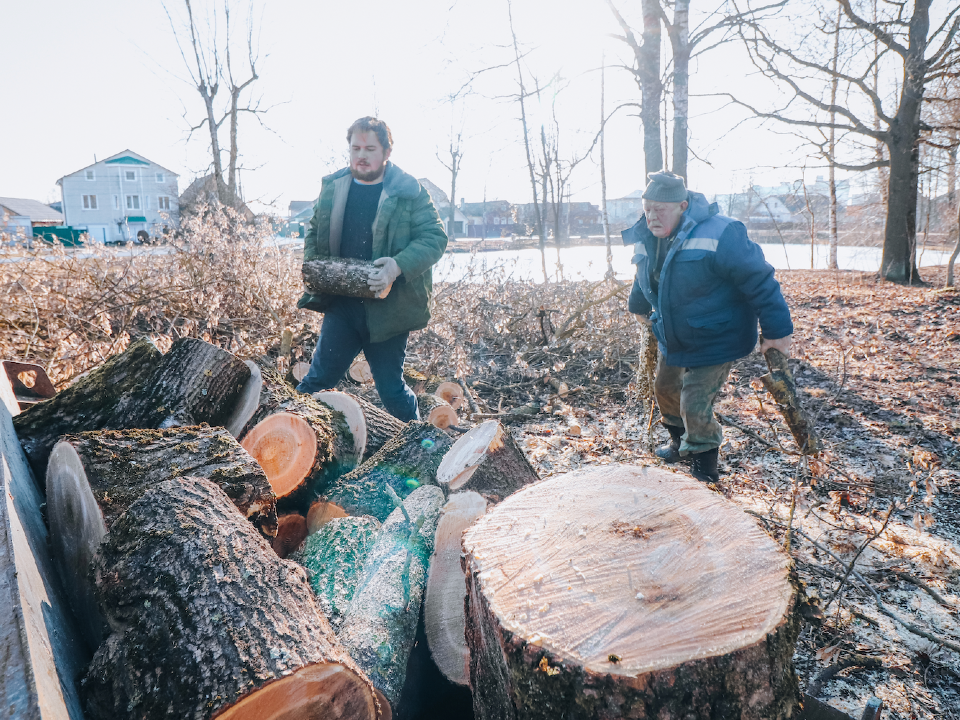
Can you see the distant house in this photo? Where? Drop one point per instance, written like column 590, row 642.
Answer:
column 624, row 212
column 19, row 215
column 298, row 206
column 117, row 198
column 491, row 218
column 576, row 218
column 442, row 203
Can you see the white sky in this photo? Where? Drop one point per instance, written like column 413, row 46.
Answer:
column 85, row 79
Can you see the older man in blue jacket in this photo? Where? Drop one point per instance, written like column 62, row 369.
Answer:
column 702, row 286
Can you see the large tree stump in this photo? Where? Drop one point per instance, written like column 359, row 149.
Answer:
column 486, row 460
column 207, row 621
column 435, row 411
column 93, row 477
column 334, row 557
column 88, row 404
column 340, row 276
column 405, row 463
column 628, row 592
column 446, row 591
column 381, row 622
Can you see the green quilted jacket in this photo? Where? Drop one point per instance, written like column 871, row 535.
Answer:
column 407, row 228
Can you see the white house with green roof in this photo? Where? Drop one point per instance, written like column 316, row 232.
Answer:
column 117, row 198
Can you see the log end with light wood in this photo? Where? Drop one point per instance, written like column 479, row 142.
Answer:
column 352, row 414
column 176, row 577
column 443, row 616
column 341, row 276
column 285, row 445
column 780, row 383
column 486, row 460
column 436, row 411
column 451, row 393
column 247, row 403
column 360, row 371
column 626, row 591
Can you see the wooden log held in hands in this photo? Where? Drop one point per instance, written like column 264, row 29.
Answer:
column 341, row 276
column 435, row 411
column 626, row 591
column 208, row 622
column 780, row 384
column 486, row 460
column 93, row 477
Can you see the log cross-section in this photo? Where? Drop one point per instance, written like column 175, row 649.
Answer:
column 628, row 592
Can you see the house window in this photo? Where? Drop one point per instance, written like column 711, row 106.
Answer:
column 90, row 175
column 163, row 202
column 89, row 202
column 159, row 177
column 116, row 202
column 130, row 174
column 133, row 202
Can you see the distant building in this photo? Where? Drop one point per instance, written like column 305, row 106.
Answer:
column 624, row 212
column 298, row 206
column 442, row 203
column 117, row 198
column 576, row 219
column 20, row 216
column 491, row 219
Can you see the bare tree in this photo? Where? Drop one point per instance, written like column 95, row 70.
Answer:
column 603, row 171
column 456, row 155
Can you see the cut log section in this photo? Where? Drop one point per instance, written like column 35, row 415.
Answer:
column 88, row 404
column 626, row 591
column 248, row 401
column 208, row 622
column 435, row 411
column 341, row 276
column 780, row 384
column 360, row 371
column 486, row 460
column 452, row 393
column 381, row 426
column 352, row 414
column 93, row 477
column 447, row 589
column 334, row 557
column 291, row 532
column 298, row 371
column 381, row 622
column 405, row 463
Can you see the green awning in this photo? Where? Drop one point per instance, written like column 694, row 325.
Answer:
column 125, row 160
column 136, row 218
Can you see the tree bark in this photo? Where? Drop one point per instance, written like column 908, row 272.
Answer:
column 648, row 596
column 381, row 427
column 405, row 463
column 780, row 384
column 247, row 402
column 348, row 406
column 340, row 276
column 88, row 404
column 488, row 461
column 207, row 621
column 435, row 411
column 680, row 41
column 93, row 477
column 381, row 621
column 651, row 86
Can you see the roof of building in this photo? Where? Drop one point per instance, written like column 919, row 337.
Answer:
column 36, row 211
column 438, row 196
column 126, row 157
column 298, row 206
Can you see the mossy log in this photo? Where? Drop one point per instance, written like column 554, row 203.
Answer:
column 93, row 477
column 645, row 596
column 436, row 411
column 340, row 276
column 334, row 557
column 780, row 384
column 447, row 588
column 486, row 460
column 381, row 622
column 405, row 463
column 88, row 404
column 206, row 621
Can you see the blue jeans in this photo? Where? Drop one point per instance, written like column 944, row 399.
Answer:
column 342, row 336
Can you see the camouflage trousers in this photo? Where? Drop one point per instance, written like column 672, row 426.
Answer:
column 685, row 397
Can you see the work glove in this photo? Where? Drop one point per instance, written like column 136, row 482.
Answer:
column 382, row 278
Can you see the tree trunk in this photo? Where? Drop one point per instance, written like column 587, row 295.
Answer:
column 405, row 463
column 446, row 588
column 953, row 255
column 381, row 622
column 488, row 461
column 88, row 404
column 381, row 427
column 93, row 477
column 603, row 171
column 340, row 276
column 334, row 557
column 648, row 596
column 680, row 40
column 651, row 86
column 207, row 621
column 435, row 411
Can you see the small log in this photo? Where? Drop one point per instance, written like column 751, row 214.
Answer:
column 298, row 371
column 208, row 622
column 381, row 427
column 486, row 460
column 625, row 591
column 452, row 393
column 341, row 276
column 88, row 404
column 435, row 411
column 381, row 622
column 405, row 463
column 291, row 533
column 780, row 384
column 247, row 403
column 92, row 478
column 334, row 557
column 360, row 371
column 446, row 588
column 352, row 414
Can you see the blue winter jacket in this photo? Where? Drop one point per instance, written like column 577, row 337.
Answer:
column 714, row 287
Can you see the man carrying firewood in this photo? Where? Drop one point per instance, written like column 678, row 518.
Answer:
column 373, row 210
column 701, row 286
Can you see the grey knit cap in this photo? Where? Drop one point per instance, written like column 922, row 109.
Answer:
column 665, row 187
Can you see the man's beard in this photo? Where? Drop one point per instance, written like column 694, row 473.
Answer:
column 367, row 175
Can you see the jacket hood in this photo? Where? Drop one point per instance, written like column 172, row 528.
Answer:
column 698, row 210
column 396, row 182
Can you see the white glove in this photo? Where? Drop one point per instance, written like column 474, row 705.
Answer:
column 382, row 278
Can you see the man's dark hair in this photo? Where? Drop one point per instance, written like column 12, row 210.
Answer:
column 372, row 124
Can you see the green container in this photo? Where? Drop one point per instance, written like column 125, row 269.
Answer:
column 64, row 235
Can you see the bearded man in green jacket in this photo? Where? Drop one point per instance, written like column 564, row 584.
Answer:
column 373, row 210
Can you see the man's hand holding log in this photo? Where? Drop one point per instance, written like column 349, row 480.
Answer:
column 383, row 276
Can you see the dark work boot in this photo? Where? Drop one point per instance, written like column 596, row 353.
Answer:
column 703, row 466
column 671, row 451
